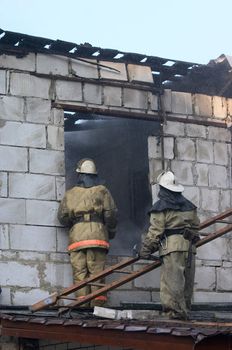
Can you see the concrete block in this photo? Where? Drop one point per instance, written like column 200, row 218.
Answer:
column 219, row 134
column 92, row 93
column 150, row 280
column 112, row 96
column 29, row 296
column 155, row 168
column 229, row 106
column 58, row 275
column 210, row 199
column 47, row 213
column 51, row 64
column 205, row 278
column 84, row 69
column 192, row 194
column 13, row 158
column 153, row 100
column 135, row 99
column 224, row 280
column 185, row 149
column 154, row 147
column 68, row 90
column 32, row 186
column 57, row 116
column 47, row 162
column 60, row 187
column 4, row 237
column 32, row 257
column 3, row 185
column 194, row 130
column 203, row 105
column 204, row 151
column 62, row 239
column 167, row 100
column 183, row 171
column 174, row 128
column 12, row 211
column 22, row 84
column 119, row 72
column 225, row 200
column 219, row 107
column 218, row 176
column 26, row 63
column 11, row 108
column 19, row 275
column 215, row 250
column 202, row 172
column 5, row 299
column 55, row 137
column 34, row 238
column 227, row 264
column 221, row 153
column 59, row 257
column 23, row 134
column 38, row 110
column 116, row 297
column 212, row 297
column 2, row 81
column 182, row 103
column 138, row 73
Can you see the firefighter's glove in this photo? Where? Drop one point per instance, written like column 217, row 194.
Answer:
column 145, row 253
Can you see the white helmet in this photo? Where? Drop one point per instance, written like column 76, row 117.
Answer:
column 167, row 180
column 86, row 166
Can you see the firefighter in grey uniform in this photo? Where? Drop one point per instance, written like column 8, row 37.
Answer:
column 90, row 211
column 173, row 231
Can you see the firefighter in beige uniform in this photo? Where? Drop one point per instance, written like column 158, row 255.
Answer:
column 90, row 212
column 173, row 231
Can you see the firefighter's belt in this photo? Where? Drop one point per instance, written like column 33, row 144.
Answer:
column 175, row 231
column 88, row 217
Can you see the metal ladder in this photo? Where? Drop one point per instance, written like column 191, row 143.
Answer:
column 55, row 298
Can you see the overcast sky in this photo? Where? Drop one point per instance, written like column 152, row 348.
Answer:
column 188, row 30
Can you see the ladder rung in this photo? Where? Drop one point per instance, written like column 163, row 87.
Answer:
column 123, row 271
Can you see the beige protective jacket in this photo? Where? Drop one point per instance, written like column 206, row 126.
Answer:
column 170, row 219
column 82, row 203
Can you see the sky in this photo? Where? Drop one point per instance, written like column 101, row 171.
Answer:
column 186, row 30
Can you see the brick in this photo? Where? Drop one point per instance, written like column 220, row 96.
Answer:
column 27, row 85
column 2, row 81
column 58, row 275
column 12, row 211
column 19, row 275
column 192, row 194
column 32, row 186
column 220, row 153
column 139, row 73
column 183, row 172
column 215, row 250
column 60, row 187
column 23, row 134
column 204, row 151
column 224, row 280
column 106, row 73
column 24, row 237
column 203, row 105
column 28, row 297
column 210, row 199
column 181, row 103
column 58, row 116
column 3, row 185
column 47, row 213
column 4, row 237
column 205, row 278
column 51, row 64
column 219, row 107
column 11, row 108
column 194, row 130
column 55, row 137
column 154, row 147
column 112, row 96
column 202, row 172
column 68, row 90
column 174, row 128
column 38, row 110
column 219, row 134
column 13, row 158
column 84, row 69
column 47, row 162
column 62, row 239
column 218, row 176
column 26, row 63
column 92, row 93
column 185, row 149
column 135, row 99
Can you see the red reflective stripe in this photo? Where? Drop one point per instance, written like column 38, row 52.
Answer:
column 89, row 242
column 101, row 297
